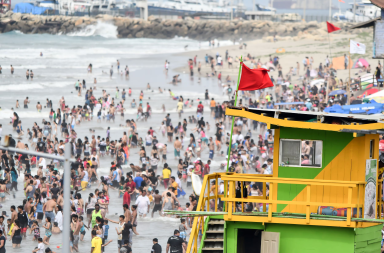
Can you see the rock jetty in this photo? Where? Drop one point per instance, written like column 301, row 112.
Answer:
column 166, row 29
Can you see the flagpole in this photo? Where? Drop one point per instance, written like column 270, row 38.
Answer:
column 349, row 81
column 233, row 118
column 330, row 53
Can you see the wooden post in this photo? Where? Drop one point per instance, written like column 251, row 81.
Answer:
column 358, row 202
column 328, row 86
column 349, row 209
column 270, row 204
column 349, row 81
column 242, row 195
column 307, row 211
column 216, row 192
column 208, row 191
column 264, row 196
column 230, row 203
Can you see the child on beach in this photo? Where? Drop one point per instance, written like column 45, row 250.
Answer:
column 36, row 230
column 183, row 229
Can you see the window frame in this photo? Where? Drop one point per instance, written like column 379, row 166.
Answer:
column 300, row 140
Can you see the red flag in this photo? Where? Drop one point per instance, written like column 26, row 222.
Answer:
column 341, row 1
column 331, row 27
column 254, row 79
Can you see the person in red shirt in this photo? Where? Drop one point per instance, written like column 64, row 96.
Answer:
column 127, row 197
column 207, row 169
column 131, row 185
column 219, row 76
column 151, row 131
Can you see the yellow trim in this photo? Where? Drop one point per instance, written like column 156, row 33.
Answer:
column 300, row 124
column 276, row 143
column 312, row 222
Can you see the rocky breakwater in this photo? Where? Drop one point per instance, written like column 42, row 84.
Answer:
column 166, row 29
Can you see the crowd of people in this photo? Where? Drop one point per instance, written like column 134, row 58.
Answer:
column 308, row 84
column 139, row 177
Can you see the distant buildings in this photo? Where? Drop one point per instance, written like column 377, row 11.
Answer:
column 300, row 4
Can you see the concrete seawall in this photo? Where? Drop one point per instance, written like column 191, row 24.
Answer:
column 166, row 29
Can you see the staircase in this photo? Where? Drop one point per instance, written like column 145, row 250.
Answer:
column 213, row 241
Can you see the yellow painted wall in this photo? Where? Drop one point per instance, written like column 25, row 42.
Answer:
column 348, row 165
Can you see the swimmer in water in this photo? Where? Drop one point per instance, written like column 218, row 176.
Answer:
column 38, row 107
column 27, row 74
column 31, row 75
column 12, row 70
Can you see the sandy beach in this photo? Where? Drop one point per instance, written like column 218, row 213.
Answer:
column 295, row 51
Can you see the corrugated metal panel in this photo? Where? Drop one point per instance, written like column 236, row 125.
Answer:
column 379, row 39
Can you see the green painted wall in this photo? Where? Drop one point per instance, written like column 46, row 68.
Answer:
column 368, row 240
column 331, row 149
column 313, row 239
column 231, row 233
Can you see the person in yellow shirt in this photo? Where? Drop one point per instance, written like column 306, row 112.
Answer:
column 268, row 97
column 174, row 185
column 97, row 243
column 213, row 106
column 166, row 174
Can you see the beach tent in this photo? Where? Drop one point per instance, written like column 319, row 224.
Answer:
column 370, row 108
column 378, row 96
column 338, row 63
column 359, row 63
column 28, row 8
column 337, row 92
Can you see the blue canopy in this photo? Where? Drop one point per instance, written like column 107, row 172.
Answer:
column 370, row 108
column 337, row 92
column 29, row 9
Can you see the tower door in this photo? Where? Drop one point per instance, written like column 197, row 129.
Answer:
column 270, row 242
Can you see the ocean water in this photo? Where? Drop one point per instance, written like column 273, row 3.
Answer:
column 64, row 61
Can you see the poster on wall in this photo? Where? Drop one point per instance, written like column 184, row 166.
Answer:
column 370, row 189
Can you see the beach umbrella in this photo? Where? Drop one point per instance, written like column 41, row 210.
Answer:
column 359, row 63
column 368, row 92
column 337, row 92
column 375, row 95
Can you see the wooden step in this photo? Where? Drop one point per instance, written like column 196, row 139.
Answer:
column 215, row 231
column 214, row 240
column 213, row 248
column 216, row 222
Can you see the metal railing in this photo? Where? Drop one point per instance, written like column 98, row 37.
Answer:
column 204, row 201
column 354, row 199
column 67, row 186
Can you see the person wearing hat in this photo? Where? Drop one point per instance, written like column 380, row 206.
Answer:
column 308, row 104
column 176, row 243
